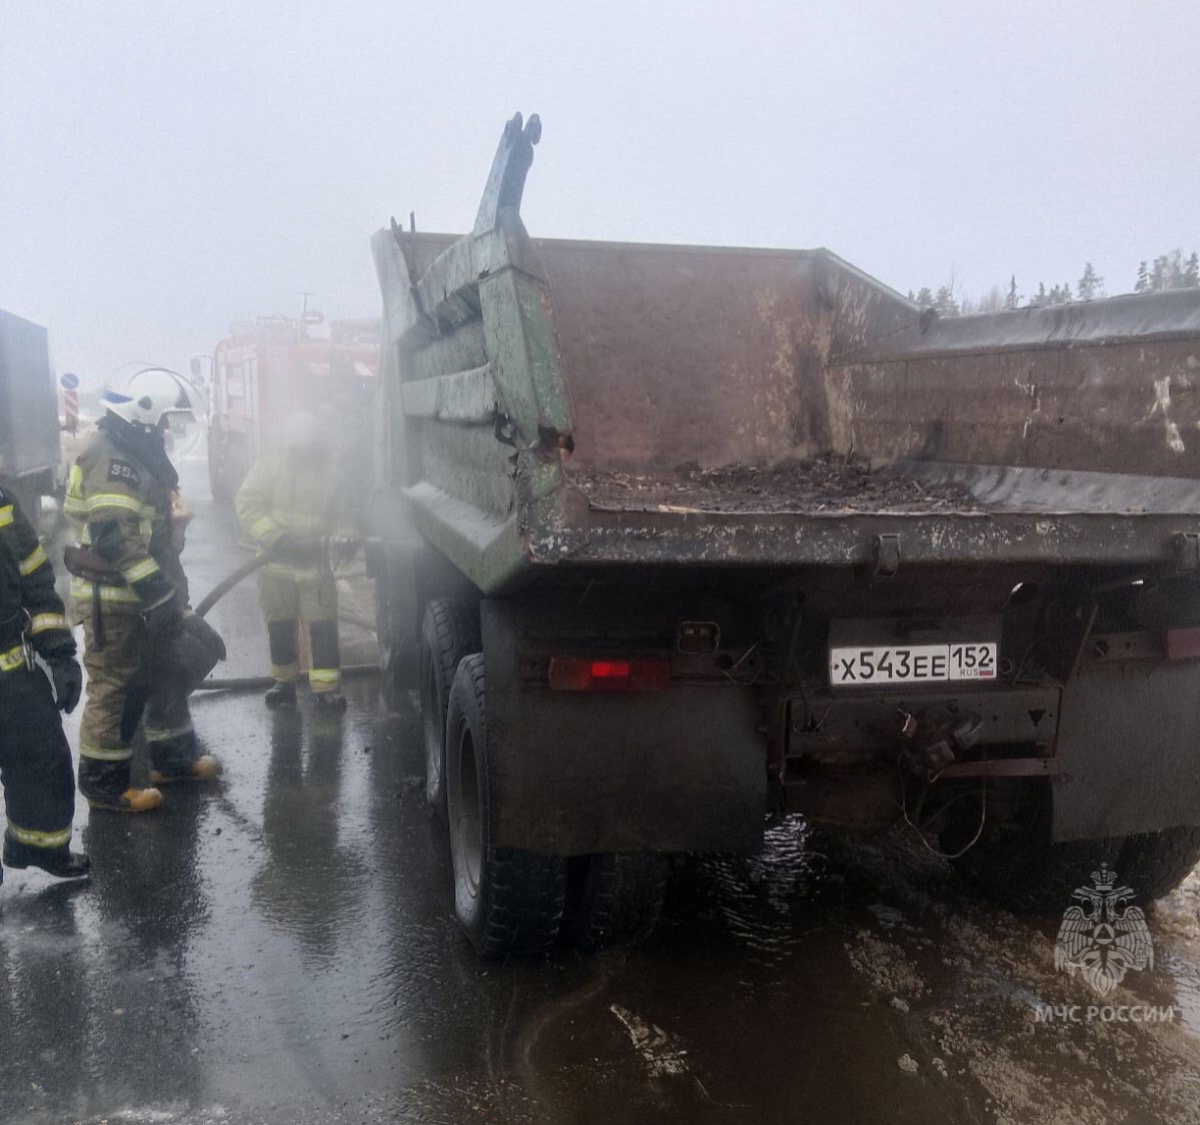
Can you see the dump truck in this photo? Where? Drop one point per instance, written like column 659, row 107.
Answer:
column 680, row 539
column 29, row 438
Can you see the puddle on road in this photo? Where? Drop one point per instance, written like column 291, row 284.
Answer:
column 760, row 898
column 1175, row 922
column 851, row 979
column 745, row 1007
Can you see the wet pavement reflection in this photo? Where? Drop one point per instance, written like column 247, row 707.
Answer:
column 282, row 949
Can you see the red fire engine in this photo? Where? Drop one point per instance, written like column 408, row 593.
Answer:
column 266, row 371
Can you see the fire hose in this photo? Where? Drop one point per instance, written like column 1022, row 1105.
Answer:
column 255, row 683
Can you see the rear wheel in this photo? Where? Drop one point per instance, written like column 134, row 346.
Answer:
column 449, row 631
column 1154, row 863
column 1015, row 863
column 614, row 900
column 507, row 901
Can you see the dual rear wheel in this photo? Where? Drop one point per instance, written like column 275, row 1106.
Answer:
column 1017, row 864
column 512, row 902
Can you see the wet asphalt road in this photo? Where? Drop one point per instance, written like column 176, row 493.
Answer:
column 282, row 949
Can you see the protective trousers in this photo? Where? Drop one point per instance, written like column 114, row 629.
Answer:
column 289, row 595
column 35, row 764
column 128, row 684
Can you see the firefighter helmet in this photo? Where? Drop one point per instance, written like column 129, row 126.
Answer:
column 146, row 396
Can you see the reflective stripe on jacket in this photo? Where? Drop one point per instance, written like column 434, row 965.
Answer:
column 29, row 604
column 119, row 510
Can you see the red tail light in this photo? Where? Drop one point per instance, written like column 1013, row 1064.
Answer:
column 582, row 673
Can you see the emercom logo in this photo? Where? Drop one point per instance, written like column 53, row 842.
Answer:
column 1101, row 936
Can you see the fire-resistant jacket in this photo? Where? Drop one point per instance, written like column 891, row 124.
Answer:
column 118, row 503
column 286, row 494
column 29, row 606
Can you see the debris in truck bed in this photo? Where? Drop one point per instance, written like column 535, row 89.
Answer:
column 827, row 484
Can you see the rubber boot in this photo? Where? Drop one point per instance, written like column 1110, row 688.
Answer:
column 207, row 767
column 131, row 801
column 281, row 695
column 330, row 702
column 62, row 863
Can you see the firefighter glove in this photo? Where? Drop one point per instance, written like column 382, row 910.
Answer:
column 68, row 682
column 296, row 549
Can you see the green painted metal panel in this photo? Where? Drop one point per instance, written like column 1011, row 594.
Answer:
column 533, row 369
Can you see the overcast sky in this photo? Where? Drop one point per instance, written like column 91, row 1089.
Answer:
column 168, row 166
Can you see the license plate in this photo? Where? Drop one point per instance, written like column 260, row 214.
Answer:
column 911, row 664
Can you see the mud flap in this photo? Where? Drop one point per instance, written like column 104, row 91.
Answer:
column 391, row 567
column 576, row 773
column 1129, row 750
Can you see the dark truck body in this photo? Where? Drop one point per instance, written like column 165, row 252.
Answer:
column 29, row 438
column 738, row 459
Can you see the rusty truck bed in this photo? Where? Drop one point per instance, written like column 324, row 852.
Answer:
column 833, row 486
column 569, row 402
column 826, row 484
column 829, row 513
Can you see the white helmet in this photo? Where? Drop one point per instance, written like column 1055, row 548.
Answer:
column 303, row 429
column 145, row 396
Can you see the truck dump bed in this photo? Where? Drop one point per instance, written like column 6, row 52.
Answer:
column 828, row 484
column 573, row 403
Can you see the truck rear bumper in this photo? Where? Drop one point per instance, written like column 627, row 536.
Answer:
column 563, row 529
column 866, row 540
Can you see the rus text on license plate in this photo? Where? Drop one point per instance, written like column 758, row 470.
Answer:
column 911, row 664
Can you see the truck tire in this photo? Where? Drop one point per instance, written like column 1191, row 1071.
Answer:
column 614, row 900
column 1016, row 865
column 1153, row 864
column 449, row 631
column 509, row 902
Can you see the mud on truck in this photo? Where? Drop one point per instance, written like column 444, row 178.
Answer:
column 704, row 534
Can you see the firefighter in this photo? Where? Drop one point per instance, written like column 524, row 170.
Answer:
column 35, row 761
column 130, row 592
column 287, row 504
